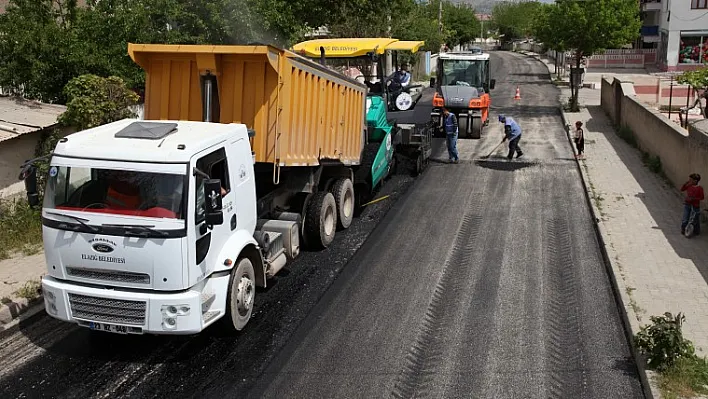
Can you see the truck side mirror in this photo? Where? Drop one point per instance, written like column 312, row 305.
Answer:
column 492, row 83
column 29, row 175
column 432, row 82
column 213, row 202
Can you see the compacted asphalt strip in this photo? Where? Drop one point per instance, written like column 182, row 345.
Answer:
column 486, row 280
column 483, row 279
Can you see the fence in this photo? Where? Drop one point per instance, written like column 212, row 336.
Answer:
column 681, row 152
column 623, row 58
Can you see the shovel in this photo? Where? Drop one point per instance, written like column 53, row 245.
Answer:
column 493, row 151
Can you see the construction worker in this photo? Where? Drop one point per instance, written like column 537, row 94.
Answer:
column 402, row 76
column 512, row 132
column 451, row 131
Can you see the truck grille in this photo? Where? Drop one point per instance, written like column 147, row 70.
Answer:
column 107, row 310
column 108, row 275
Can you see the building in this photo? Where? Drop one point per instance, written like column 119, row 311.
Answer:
column 22, row 123
column 678, row 29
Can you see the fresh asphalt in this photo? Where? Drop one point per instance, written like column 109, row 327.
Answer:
column 479, row 280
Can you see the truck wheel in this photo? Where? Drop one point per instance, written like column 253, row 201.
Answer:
column 476, row 127
column 321, row 220
column 242, row 293
column 343, row 191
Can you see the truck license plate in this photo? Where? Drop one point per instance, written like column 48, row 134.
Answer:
column 108, row 328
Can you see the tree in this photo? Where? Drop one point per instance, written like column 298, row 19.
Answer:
column 37, row 48
column 698, row 80
column 514, row 19
column 544, row 30
column 461, row 22
column 587, row 27
column 94, row 101
column 46, row 43
column 420, row 23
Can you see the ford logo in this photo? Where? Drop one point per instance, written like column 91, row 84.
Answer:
column 102, row 248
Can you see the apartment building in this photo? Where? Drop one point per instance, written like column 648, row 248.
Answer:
column 678, row 29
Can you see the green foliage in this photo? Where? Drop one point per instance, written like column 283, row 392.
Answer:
column 687, row 378
column 30, row 290
column 653, row 162
column 47, row 43
column 697, row 79
column 20, row 228
column 94, row 101
column 462, row 24
column 662, row 341
column 587, row 27
column 37, row 43
column 515, row 20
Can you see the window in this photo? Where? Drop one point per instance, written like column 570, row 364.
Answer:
column 699, row 4
column 463, row 73
column 216, row 166
column 692, row 49
column 115, row 192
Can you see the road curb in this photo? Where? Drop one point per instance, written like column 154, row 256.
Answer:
column 630, row 324
column 13, row 312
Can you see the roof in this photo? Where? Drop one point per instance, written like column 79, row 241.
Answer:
column 19, row 116
column 147, row 141
column 354, row 47
column 464, row 55
column 5, row 3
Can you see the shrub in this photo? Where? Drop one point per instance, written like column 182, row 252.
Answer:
column 662, row 341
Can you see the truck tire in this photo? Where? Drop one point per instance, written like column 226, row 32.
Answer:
column 476, row 127
column 343, row 191
column 321, row 220
column 242, row 294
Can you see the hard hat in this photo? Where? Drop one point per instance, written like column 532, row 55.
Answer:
column 502, row 118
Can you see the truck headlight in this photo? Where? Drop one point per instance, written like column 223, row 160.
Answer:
column 50, row 302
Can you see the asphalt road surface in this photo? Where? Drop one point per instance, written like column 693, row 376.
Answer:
column 479, row 280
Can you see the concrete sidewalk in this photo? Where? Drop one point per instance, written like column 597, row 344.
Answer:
column 16, row 273
column 657, row 269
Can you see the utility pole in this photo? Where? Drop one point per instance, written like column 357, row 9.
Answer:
column 389, row 60
column 440, row 24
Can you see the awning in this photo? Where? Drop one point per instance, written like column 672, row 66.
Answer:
column 403, row 45
column 354, row 47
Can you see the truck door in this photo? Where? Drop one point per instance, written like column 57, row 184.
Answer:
column 208, row 241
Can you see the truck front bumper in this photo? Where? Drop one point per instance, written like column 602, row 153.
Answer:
column 123, row 311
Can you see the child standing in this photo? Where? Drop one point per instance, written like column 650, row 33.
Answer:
column 579, row 139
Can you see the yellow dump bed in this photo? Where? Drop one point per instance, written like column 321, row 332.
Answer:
column 301, row 111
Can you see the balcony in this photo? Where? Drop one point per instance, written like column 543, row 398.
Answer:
column 650, row 5
column 650, row 30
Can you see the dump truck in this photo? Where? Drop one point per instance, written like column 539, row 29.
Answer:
column 166, row 225
column 462, row 84
column 364, row 59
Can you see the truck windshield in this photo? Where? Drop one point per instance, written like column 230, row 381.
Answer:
column 117, row 192
column 463, row 73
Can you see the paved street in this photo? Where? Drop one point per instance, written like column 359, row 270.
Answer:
column 658, row 269
column 490, row 284
column 484, row 279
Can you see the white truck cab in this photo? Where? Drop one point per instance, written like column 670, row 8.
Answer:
column 151, row 227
